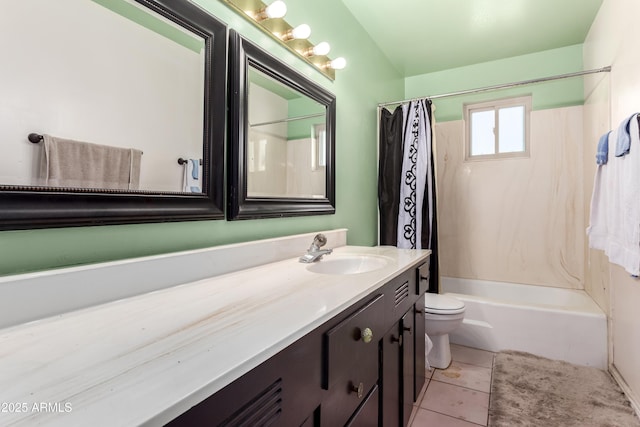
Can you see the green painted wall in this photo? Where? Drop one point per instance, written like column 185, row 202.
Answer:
column 368, row 79
column 559, row 93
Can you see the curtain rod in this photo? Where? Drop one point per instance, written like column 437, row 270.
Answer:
column 505, row 86
column 290, row 119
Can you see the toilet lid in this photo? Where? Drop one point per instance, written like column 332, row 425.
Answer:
column 442, row 304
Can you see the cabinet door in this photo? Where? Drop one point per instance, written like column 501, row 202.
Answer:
column 408, row 353
column 420, row 357
column 253, row 399
column 397, row 371
column 390, row 377
column 284, row 390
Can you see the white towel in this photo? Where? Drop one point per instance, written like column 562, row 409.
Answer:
column 77, row 164
column 415, row 164
column 614, row 224
column 192, row 181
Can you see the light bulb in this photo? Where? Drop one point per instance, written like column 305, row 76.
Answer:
column 302, row 31
column 338, row 63
column 277, row 9
column 321, row 48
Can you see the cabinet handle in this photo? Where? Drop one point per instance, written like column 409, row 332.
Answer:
column 398, row 340
column 424, row 277
column 407, row 328
column 366, row 335
column 359, row 389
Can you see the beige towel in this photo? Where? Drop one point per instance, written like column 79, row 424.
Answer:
column 68, row 163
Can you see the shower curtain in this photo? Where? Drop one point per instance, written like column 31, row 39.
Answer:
column 406, row 181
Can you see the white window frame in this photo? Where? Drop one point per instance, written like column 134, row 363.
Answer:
column 496, row 105
column 318, row 146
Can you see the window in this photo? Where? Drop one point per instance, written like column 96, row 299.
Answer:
column 496, row 129
column 319, row 147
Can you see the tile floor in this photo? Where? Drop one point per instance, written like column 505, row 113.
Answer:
column 459, row 395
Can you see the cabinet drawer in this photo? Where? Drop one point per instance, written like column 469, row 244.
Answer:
column 423, row 278
column 352, row 347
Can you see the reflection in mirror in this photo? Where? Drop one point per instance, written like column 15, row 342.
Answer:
column 100, row 73
column 115, row 92
column 281, row 138
column 286, row 150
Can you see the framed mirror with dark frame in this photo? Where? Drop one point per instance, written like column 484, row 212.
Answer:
column 281, row 138
column 144, row 79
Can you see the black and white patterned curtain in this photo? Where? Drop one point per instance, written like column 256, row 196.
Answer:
column 406, row 181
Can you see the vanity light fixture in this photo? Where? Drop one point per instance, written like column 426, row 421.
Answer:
column 269, row 19
column 275, row 10
column 301, row 32
column 320, row 49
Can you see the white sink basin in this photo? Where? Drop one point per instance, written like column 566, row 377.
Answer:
column 348, row 264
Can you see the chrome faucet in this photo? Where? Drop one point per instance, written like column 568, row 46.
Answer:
column 314, row 253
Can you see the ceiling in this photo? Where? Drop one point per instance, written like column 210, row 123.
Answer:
column 423, row 36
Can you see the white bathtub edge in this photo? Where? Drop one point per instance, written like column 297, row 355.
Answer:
column 577, row 334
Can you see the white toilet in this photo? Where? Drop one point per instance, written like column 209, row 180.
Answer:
column 442, row 314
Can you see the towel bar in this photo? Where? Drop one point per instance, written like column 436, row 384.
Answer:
column 35, row 137
column 182, row 161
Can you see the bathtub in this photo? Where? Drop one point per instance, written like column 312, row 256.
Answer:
column 557, row 323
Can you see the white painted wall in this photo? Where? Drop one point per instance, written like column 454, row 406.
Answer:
column 59, row 76
column 267, row 168
column 282, row 167
column 302, row 179
column 613, row 40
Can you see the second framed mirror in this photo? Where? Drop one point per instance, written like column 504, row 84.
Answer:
column 281, row 136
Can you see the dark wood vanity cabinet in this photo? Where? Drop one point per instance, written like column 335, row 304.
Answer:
column 364, row 367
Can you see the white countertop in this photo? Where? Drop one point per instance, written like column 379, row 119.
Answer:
column 148, row 358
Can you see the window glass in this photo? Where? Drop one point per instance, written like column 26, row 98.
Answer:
column 511, row 132
column 482, row 136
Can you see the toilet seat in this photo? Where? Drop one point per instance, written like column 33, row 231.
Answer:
column 442, row 304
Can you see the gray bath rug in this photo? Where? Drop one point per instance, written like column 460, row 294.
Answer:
column 528, row 390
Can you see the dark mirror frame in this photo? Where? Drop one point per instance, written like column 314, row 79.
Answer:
column 24, row 207
column 244, row 54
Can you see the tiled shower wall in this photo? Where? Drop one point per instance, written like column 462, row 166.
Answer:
column 517, row 220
